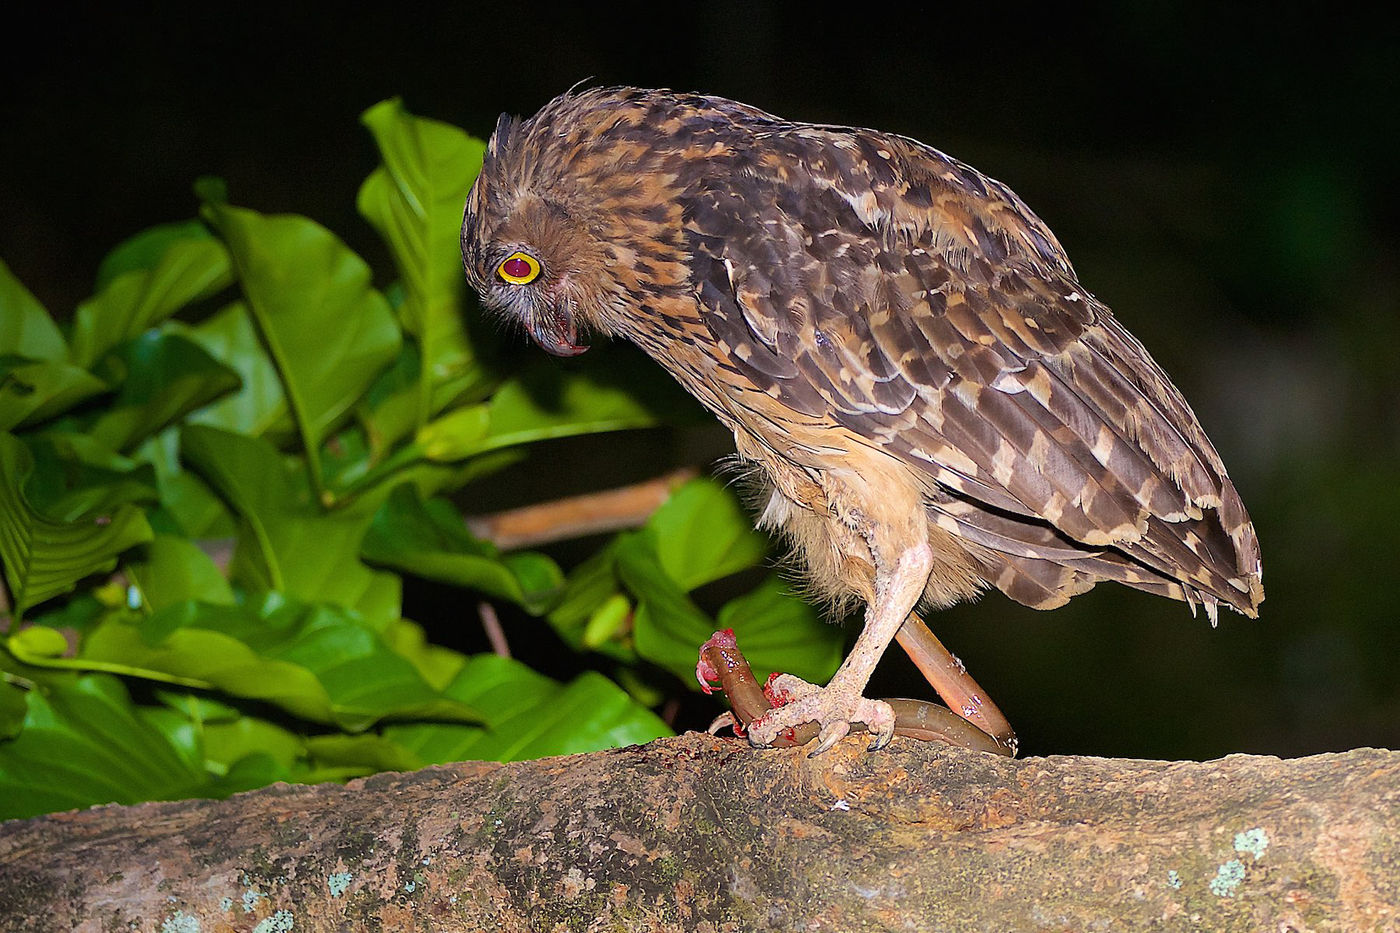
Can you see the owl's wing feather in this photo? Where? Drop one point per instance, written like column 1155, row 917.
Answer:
column 873, row 281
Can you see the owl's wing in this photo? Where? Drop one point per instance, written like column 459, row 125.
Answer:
column 875, row 282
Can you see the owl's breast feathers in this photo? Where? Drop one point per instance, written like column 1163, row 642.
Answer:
column 843, row 286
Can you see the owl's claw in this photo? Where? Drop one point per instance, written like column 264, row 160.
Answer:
column 726, row 721
column 833, row 708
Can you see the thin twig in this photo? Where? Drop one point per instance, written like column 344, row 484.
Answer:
column 495, row 634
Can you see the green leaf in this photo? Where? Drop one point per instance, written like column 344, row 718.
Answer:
column 590, row 587
column 176, row 570
column 187, row 505
column 76, row 476
column 550, row 403
column 78, row 614
column 221, row 740
column 430, row 540
column 83, row 744
column 144, row 281
column 531, row 716
column 608, row 621
column 389, row 407
column 26, row 330
column 434, row 663
column 321, row 663
column 361, row 754
column 145, row 250
column 162, row 377
column 227, row 743
column 36, row 379
column 389, row 411
column 668, row 628
column 543, row 403
column 456, row 435
column 260, row 405
column 415, row 201
column 702, row 534
column 14, row 705
column 779, row 632
column 37, row 642
column 286, row 542
column 31, row 392
column 327, row 330
column 44, row 558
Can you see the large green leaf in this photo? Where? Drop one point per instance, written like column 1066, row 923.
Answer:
column 31, row 391
column 231, row 338
column 318, row 662
column 83, row 744
column 430, row 540
column 162, row 377
column 288, row 543
column 779, row 632
column 13, row 708
column 224, row 744
column 415, row 202
column 531, row 716
column 174, row 570
column 550, row 402
column 187, row 505
column 76, row 476
column 144, row 281
column 436, row 664
column 593, row 590
column 544, row 403
column 702, row 534
column 776, row 630
column 239, row 754
column 26, row 330
column 44, row 558
column 668, row 628
column 327, row 329
column 36, row 379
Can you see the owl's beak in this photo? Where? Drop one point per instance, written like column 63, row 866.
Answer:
column 556, row 331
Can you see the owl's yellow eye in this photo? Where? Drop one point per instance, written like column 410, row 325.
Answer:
column 519, row 268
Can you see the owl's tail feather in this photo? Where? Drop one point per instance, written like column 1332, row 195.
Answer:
column 1197, row 561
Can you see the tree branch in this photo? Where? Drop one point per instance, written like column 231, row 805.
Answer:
column 577, row 516
column 702, row 833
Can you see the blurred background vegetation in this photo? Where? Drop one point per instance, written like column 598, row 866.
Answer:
column 1224, row 181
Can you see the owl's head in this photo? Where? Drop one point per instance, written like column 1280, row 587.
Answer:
column 531, row 242
column 575, row 223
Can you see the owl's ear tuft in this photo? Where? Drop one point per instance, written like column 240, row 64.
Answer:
column 507, row 127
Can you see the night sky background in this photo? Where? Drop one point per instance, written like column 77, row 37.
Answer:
column 1225, row 182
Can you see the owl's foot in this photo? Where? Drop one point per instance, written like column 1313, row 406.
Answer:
column 832, row 708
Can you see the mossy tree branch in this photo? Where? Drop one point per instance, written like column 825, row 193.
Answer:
column 702, row 833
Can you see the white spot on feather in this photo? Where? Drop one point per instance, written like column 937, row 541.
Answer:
column 1004, row 463
column 865, row 206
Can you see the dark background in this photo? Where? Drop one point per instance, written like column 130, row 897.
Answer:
column 1225, row 181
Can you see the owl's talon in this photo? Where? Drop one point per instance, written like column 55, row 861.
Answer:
column 833, row 709
column 727, row 721
column 831, row 733
column 882, row 738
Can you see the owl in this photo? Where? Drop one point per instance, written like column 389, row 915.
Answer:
column 933, row 404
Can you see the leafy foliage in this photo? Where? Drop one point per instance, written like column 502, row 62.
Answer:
column 215, row 480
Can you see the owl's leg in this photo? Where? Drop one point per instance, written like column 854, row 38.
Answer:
column 834, row 707
column 946, row 674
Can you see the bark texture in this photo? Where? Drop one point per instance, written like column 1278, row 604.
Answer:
column 704, row 834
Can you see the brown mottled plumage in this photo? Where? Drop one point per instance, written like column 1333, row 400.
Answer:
column 899, row 344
